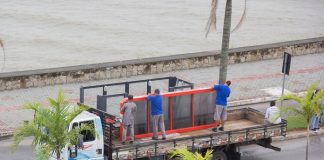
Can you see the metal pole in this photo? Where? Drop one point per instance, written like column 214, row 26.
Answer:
column 283, row 87
column 104, row 90
column 81, row 95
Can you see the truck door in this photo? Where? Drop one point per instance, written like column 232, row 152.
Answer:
column 92, row 146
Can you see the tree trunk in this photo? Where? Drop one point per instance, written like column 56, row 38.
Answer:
column 58, row 154
column 307, row 144
column 225, row 42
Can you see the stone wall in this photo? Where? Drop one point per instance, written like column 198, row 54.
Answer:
column 110, row 70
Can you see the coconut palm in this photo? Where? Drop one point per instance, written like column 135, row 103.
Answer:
column 226, row 33
column 187, row 155
column 309, row 105
column 50, row 126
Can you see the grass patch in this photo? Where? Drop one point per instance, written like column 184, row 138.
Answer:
column 294, row 123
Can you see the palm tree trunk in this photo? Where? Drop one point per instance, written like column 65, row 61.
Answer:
column 225, row 42
column 58, row 154
column 307, row 144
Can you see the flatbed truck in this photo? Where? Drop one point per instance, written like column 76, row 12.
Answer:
column 188, row 116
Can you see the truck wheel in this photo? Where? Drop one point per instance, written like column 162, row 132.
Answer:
column 219, row 155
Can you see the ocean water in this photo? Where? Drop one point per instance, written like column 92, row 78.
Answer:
column 56, row 33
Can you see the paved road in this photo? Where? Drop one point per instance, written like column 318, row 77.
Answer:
column 292, row 149
column 47, row 33
column 250, row 80
column 24, row 151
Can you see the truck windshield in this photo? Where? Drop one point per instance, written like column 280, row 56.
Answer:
column 87, row 136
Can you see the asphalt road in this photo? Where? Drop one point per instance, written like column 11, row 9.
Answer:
column 23, row 152
column 292, row 149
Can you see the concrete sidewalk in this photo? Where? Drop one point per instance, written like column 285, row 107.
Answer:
column 298, row 134
column 251, row 82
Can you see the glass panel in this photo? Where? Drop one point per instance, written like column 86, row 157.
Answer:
column 204, row 108
column 140, row 126
column 137, row 89
column 165, row 105
column 181, row 111
column 90, row 96
column 113, row 105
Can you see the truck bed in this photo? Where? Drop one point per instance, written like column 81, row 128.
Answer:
column 244, row 126
column 230, row 125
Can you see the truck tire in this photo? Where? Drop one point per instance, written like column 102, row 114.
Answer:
column 219, row 155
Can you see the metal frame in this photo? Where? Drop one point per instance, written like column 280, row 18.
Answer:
column 172, row 86
column 170, row 95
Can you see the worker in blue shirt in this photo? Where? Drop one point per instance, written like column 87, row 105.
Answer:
column 220, row 115
column 157, row 114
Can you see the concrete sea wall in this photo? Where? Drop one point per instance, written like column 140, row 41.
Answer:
column 110, row 70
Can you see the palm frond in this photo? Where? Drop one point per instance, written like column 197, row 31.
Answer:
column 76, row 111
column 25, row 130
column 310, row 91
column 291, row 97
column 242, row 18
column 50, row 126
column 211, row 23
column 209, row 154
column 182, row 153
column 309, row 104
column 4, row 54
column 33, row 106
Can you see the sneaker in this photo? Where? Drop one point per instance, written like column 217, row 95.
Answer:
column 131, row 142
column 123, row 142
column 154, row 138
column 214, row 129
column 163, row 138
column 313, row 130
column 221, row 128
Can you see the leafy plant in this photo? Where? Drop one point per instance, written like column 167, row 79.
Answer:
column 309, row 105
column 50, row 127
column 187, row 155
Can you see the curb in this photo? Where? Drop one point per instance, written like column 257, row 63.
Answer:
column 292, row 135
column 257, row 100
column 6, row 134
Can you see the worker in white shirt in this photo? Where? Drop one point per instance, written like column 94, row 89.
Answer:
column 272, row 115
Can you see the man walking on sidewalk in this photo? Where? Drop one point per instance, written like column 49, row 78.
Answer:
column 220, row 115
column 157, row 114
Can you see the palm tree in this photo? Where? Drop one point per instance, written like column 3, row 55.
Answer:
column 187, row 155
column 226, row 34
column 49, row 126
column 309, row 105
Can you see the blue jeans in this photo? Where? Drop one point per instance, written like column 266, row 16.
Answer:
column 314, row 122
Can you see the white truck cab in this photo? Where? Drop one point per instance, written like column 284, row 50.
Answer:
column 91, row 147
